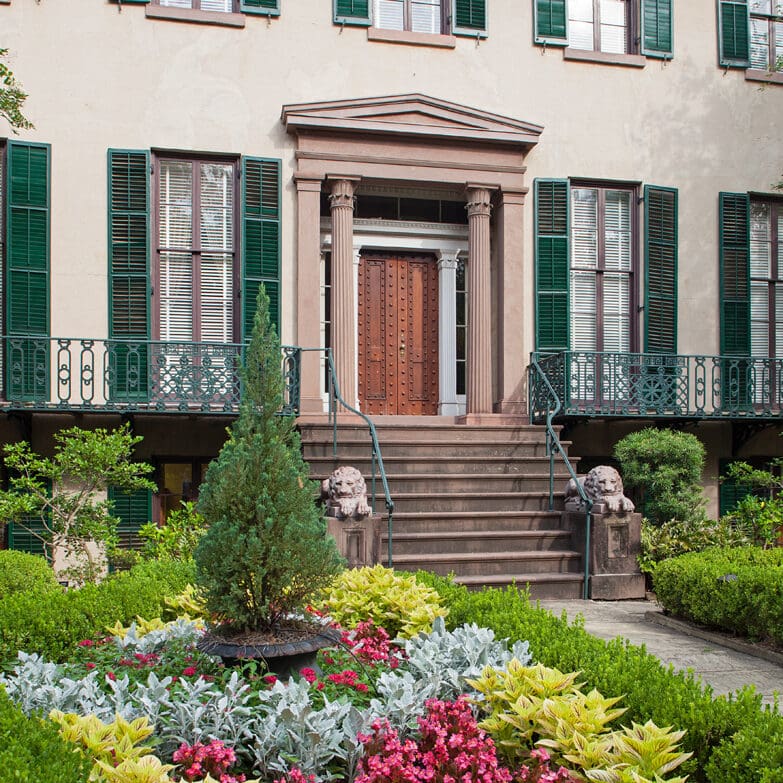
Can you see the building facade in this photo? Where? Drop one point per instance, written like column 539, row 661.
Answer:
column 459, row 197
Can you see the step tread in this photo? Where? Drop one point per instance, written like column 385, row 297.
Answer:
column 519, row 578
column 538, row 554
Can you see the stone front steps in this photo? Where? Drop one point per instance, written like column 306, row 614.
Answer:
column 469, row 500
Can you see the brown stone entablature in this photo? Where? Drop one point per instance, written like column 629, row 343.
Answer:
column 415, row 141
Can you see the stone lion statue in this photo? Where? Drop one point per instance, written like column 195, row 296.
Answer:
column 603, row 485
column 346, row 494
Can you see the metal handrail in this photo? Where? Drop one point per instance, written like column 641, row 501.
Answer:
column 553, row 444
column 377, row 458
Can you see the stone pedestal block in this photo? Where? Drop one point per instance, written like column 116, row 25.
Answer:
column 615, row 543
column 358, row 540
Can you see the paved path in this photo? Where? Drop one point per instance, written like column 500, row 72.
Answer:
column 724, row 669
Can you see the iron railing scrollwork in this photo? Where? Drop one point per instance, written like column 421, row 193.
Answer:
column 622, row 384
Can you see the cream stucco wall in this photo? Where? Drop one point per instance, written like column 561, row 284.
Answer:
column 101, row 78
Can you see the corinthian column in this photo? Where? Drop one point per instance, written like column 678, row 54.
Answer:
column 343, row 308
column 479, row 353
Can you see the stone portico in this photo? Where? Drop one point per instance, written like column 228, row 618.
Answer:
column 414, row 141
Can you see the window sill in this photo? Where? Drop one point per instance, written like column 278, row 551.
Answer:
column 605, row 58
column 199, row 17
column 757, row 75
column 410, row 38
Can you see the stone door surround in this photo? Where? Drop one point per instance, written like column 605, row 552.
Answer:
column 420, row 141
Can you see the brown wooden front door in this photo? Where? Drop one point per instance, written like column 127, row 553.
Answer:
column 398, row 335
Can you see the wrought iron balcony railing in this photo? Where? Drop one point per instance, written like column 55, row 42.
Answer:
column 43, row 373
column 651, row 385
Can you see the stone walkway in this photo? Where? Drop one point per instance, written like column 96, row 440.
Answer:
column 726, row 670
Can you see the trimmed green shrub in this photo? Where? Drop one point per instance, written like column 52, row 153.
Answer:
column 32, row 751
column 20, row 573
column 651, row 691
column 753, row 755
column 666, row 466
column 738, row 590
column 53, row 622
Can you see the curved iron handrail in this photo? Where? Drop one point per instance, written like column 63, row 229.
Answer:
column 377, row 458
column 552, row 440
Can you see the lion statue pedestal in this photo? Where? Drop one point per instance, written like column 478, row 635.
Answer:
column 615, row 534
column 349, row 518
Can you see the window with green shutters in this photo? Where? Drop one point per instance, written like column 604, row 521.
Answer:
column 660, row 290
column 129, row 286
column 734, row 33
column 611, row 26
column 26, row 228
column 260, row 238
column 586, row 286
column 458, row 17
column 133, row 509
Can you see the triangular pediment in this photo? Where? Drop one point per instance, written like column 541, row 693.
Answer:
column 411, row 115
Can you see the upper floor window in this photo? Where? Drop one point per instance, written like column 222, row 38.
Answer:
column 418, row 16
column 766, row 34
column 600, row 25
column 455, row 17
column 611, row 27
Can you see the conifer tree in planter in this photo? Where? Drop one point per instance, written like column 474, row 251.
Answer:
column 266, row 549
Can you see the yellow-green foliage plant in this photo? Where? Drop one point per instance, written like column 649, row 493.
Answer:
column 399, row 603
column 110, row 743
column 536, row 705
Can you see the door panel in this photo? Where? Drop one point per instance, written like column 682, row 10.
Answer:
column 398, row 335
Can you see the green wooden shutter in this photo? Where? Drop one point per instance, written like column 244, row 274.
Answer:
column 657, row 28
column 27, row 271
column 660, row 295
column 550, row 21
column 129, row 287
column 133, row 509
column 469, row 17
column 260, row 238
column 552, row 258
column 263, row 7
column 734, row 33
column 735, row 274
column 355, row 12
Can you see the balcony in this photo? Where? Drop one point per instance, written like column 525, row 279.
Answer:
column 651, row 385
column 130, row 376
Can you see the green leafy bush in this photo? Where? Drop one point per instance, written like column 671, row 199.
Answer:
column 753, row 755
column 738, row 590
column 20, row 573
column 31, row 750
column 651, row 691
column 666, row 466
column 53, row 622
column 178, row 538
column 673, row 538
column 396, row 601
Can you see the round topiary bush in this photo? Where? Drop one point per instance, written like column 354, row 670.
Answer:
column 20, row 573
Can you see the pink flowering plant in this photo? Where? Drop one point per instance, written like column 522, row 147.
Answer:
column 176, row 659
column 197, row 761
column 450, row 747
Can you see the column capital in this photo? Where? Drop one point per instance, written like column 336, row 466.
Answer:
column 479, row 200
column 308, row 182
column 447, row 259
column 342, row 192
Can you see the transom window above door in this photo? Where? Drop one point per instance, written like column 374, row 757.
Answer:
column 418, row 16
